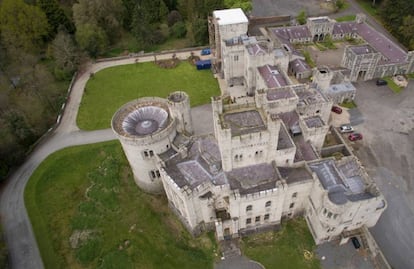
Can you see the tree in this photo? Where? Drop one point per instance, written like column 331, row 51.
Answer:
column 105, row 14
column 173, row 17
column 91, row 38
column 199, row 32
column 65, row 53
column 246, row 5
column 178, row 30
column 301, row 18
column 55, row 16
column 407, row 31
column 22, row 26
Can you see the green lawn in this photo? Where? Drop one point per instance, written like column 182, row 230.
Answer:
column 391, row 84
column 89, row 191
column 112, row 87
column 346, row 18
column 283, row 249
column 349, row 105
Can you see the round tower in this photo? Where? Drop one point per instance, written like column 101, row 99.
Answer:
column 145, row 129
column 179, row 104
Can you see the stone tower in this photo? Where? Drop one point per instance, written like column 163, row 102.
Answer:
column 145, row 129
column 179, row 104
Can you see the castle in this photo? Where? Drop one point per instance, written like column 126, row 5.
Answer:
column 266, row 160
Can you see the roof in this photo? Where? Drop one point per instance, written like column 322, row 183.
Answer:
column 292, row 32
column 203, row 164
column 294, row 175
column 279, row 93
column 256, row 49
column 362, row 49
column 253, row 178
column 314, row 122
column 230, row 16
column 343, row 182
column 298, row 65
column 244, row 122
column 341, row 88
column 272, row 76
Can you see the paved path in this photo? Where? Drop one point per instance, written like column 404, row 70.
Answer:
column 18, row 232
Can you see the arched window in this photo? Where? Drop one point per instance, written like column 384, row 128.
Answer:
column 249, row 208
column 268, row 203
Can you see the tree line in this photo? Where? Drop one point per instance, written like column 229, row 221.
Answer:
column 44, row 42
column 398, row 16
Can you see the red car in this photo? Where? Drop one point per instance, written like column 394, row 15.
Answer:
column 355, row 136
column 336, row 109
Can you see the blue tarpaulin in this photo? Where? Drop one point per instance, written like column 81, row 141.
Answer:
column 204, row 64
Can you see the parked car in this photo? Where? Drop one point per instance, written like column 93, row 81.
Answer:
column 206, row 51
column 381, row 82
column 355, row 136
column 336, row 109
column 355, row 242
column 346, row 128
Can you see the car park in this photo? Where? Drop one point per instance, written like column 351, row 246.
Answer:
column 336, row 109
column 206, row 51
column 381, row 82
column 355, row 136
column 346, row 128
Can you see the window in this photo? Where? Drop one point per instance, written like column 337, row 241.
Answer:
column 294, row 195
column 151, row 153
column 291, row 205
column 155, row 174
column 236, row 157
column 324, row 211
column 266, row 217
column 249, row 208
column 257, row 219
column 335, row 216
column 268, row 203
column 236, row 58
column 329, row 214
column 145, row 153
column 248, row 221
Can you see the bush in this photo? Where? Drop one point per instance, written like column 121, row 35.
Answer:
column 178, row 30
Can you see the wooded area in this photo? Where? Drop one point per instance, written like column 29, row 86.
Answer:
column 44, row 42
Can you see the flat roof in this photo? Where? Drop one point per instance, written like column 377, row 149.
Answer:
column 341, row 88
column 230, row 16
column 276, row 94
column 253, row 178
column 244, row 122
column 362, row 49
column 314, row 122
column 294, row 174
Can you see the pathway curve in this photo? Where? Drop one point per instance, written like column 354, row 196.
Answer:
column 19, row 236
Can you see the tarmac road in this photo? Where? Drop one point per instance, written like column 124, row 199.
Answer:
column 387, row 152
column 18, row 233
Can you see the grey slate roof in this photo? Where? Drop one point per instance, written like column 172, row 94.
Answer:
column 272, row 76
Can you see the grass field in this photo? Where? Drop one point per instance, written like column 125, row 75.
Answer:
column 87, row 212
column 346, row 18
column 391, row 84
column 110, row 88
column 290, row 248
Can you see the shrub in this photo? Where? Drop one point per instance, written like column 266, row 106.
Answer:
column 178, row 30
